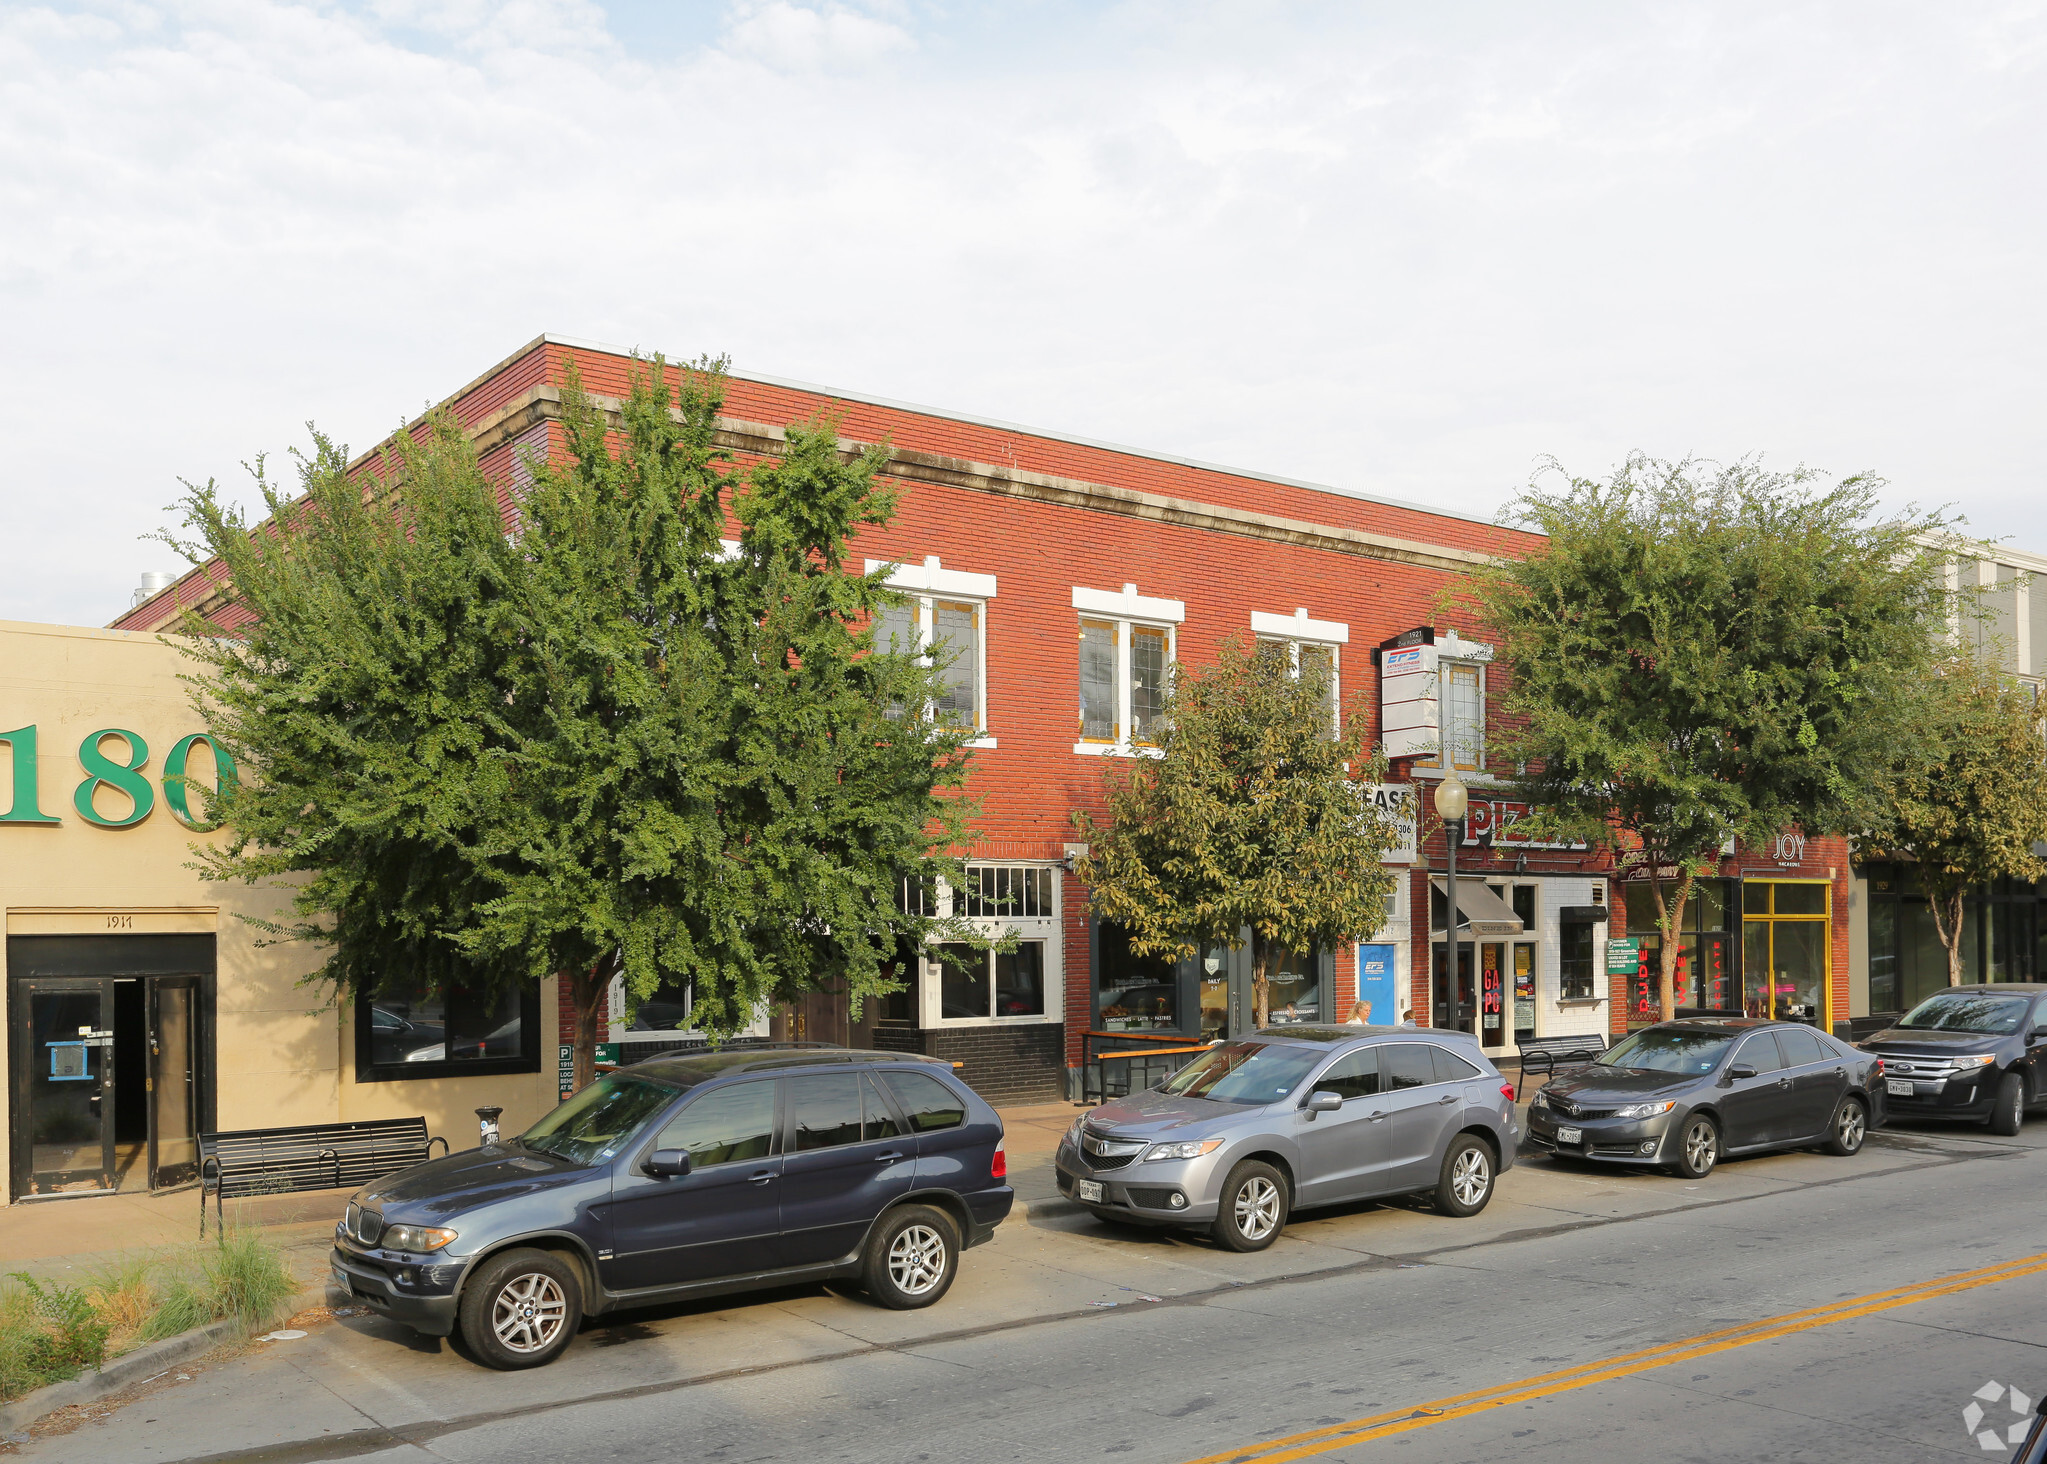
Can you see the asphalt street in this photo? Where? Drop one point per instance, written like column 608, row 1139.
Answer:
column 1794, row 1307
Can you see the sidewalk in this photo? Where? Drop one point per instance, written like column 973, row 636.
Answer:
column 48, row 1238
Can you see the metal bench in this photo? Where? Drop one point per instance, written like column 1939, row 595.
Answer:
column 284, row 1161
column 1092, row 1057
column 1549, row 1051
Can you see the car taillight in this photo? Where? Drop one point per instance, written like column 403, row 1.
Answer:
column 1507, row 1091
column 998, row 1168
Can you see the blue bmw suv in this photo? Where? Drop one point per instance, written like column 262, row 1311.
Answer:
column 685, row 1177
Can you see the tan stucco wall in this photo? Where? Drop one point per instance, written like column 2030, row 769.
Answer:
column 284, row 1052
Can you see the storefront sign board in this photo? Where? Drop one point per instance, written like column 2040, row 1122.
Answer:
column 1623, row 956
column 1396, row 803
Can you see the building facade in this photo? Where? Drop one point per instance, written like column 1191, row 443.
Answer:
column 1064, row 579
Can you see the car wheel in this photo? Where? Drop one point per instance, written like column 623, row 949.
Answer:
column 1253, row 1207
column 1850, row 1128
column 1467, row 1180
column 521, row 1309
column 2008, row 1109
column 912, row 1257
column 1698, row 1147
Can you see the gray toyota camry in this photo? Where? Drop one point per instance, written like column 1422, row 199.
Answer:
column 1292, row 1117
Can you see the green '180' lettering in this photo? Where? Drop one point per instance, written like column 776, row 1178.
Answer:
column 123, row 777
column 23, row 808
column 177, row 787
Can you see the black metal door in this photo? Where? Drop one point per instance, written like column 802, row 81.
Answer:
column 1454, row 1006
column 64, row 1086
column 173, row 1081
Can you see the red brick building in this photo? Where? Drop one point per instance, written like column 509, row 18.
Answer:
column 1071, row 574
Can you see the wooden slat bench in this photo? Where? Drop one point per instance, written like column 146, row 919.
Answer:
column 284, row 1161
column 1544, row 1053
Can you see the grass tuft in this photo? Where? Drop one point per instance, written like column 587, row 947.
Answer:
column 50, row 1332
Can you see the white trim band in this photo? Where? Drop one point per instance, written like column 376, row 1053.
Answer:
column 929, row 578
column 1127, row 604
column 1298, row 626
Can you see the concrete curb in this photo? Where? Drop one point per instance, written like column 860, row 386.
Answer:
column 134, row 1367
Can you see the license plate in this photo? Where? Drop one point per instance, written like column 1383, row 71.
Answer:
column 1901, row 1086
column 1089, row 1189
column 1570, row 1136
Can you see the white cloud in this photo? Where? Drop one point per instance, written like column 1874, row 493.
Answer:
column 1401, row 250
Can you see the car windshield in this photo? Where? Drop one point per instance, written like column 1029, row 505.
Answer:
column 1244, row 1072
column 1983, row 1013
column 1668, row 1050
column 600, row 1120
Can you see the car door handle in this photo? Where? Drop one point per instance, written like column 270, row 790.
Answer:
column 1783, row 1082
column 1447, row 1098
column 1373, row 1117
column 762, row 1178
column 885, row 1158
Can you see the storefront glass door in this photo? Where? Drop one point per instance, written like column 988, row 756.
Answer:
column 1784, row 942
column 69, row 1087
column 173, row 1082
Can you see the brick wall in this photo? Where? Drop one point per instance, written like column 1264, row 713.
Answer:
column 1003, row 1064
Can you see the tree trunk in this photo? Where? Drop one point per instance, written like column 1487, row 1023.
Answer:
column 1947, row 924
column 1670, row 917
column 587, row 993
column 1261, row 988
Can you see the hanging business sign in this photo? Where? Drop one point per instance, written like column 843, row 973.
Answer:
column 1395, row 802
column 1623, row 956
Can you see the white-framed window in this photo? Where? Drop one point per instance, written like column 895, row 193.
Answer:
column 963, row 986
column 945, row 620
column 1460, row 710
column 1309, row 645
column 1126, row 665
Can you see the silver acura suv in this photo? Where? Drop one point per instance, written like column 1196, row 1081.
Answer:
column 1293, row 1117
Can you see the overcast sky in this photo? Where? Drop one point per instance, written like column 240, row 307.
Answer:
column 1402, row 249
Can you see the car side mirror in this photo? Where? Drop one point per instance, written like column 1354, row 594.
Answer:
column 667, row 1163
column 1323, row 1101
column 1739, row 1071
column 2035, row 1035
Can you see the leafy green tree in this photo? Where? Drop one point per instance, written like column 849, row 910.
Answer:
column 1966, row 795
column 1251, row 814
column 1698, row 652
column 605, row 743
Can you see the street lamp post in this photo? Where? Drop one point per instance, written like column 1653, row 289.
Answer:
column 1451, row 800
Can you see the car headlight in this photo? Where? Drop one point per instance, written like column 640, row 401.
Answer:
column 1540, row 1100
column 1073, row 1134
column 1983, row 1060
column 1192, row 1149
column 418, row 1239
column 1644, row 1110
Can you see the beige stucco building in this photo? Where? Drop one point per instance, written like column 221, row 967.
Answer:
column 142, row 1007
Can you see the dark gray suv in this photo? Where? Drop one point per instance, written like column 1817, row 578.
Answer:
column 681, row 1178
column 1296, row 1116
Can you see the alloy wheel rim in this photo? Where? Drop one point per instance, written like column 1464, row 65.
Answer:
column 1470, row 1176
column 530, row 1312
column 1257, row 1208
column 1699, row 1147
column 916, row 1259
column 1851, row 1127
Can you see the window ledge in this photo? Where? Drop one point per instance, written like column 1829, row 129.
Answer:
column 1115, row 749
column 1576, row 1001
column 1031, row 1021
column 981, row 741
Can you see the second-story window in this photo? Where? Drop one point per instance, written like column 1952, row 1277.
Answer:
column 1125, row 665
column 945, row 620
column 1311, row 647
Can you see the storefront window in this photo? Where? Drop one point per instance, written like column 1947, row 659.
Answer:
column 1294, row 988
column 1137, row 993
column 978, row 983
column 1703, row 980
column 403, row 1032
column 1574, row 967
column 1907, row 961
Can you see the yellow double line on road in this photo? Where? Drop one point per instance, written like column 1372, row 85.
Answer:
column 1525, row 1390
